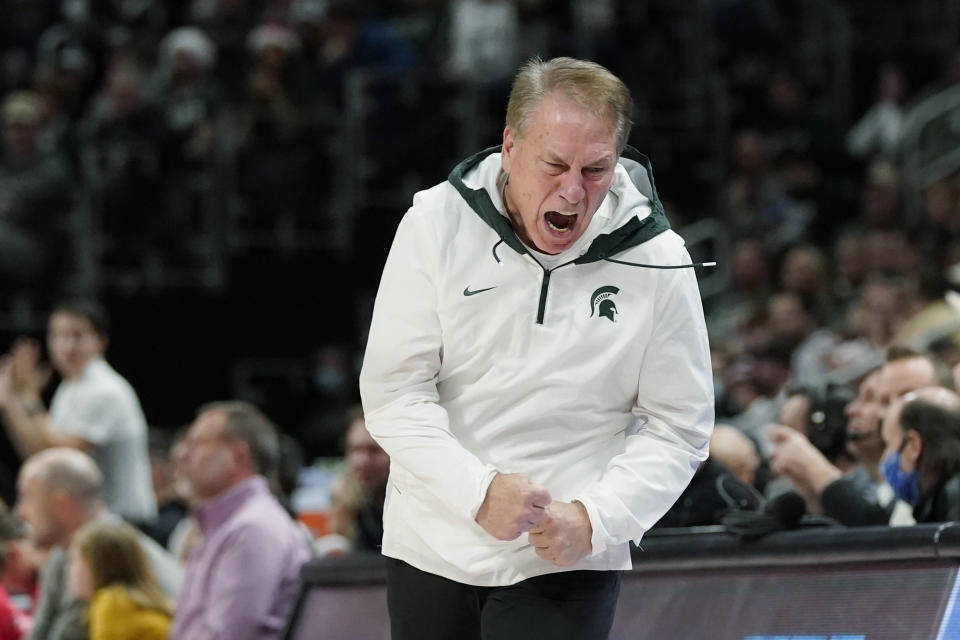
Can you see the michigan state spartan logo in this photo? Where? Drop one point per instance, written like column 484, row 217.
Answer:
column 601, row 303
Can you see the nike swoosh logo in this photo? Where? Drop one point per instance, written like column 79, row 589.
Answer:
column 467, row 292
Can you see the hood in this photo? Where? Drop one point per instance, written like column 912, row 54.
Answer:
column 634, row 230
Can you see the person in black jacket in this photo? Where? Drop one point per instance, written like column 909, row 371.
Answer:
column 922, row 457
column 840, row 496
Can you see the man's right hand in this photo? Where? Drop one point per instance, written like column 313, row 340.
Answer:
column 513, row 505
column 795, row 457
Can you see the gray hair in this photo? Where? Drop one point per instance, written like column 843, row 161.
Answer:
column 589, row 84
column 246, row 423
column 69, row 470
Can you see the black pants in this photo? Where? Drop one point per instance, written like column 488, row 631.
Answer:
column 574, row 605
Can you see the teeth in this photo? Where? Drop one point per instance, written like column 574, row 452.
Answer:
column 569, row 218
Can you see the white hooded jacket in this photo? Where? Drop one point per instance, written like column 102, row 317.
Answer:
column 592, row 377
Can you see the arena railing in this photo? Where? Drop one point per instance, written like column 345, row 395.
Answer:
column 706, row 583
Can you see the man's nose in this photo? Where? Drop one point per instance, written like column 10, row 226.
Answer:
column 571, row 189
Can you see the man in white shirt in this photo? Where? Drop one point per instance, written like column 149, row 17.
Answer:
column 93, row 409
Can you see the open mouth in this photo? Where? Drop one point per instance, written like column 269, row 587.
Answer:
column 560, row 222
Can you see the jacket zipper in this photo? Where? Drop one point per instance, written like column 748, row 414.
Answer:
column 544, row 285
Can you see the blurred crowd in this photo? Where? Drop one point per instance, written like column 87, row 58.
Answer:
column 835, row 337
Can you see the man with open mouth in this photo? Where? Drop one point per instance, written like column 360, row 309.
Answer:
column 537, row 369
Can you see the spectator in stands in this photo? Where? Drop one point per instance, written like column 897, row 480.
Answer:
column 484, row 46
column 14, row 623
column 277, row 160
column 878, row 131
column 350, row 42
column 749, row 288
column 126, row 145
column 109, row 570
column 346, row 500
column 242, row 576
column 66, row 75
column 842, row 496
column 864, row 440
column 187, row 94
column 768, row 374
column 929, row 322
column 171, row 507
column 922, row 457
column 369, row 467
column 93, row 409
column 938, row 229
column 819, row 414
column 735, row 451
column 191, row 102
column 793, row 321
column 791, row 124
column 35, row 202
column 890, row 252
column 849, row 270
column 877, row 313
column 60, row 492
column 805, row 271
column 753, row 196
column 880, row 196
column 274, row 101
column 330, row 392
column 22, row 562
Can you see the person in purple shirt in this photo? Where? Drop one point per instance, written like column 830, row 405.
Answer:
column 243, row 574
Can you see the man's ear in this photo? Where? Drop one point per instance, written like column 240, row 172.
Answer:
column 509, row 147
column 242, row 455
column 910, row 450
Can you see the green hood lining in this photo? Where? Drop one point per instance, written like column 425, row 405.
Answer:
column 631, row 234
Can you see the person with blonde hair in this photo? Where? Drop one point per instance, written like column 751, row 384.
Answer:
column 60, row 492
column 109, row 569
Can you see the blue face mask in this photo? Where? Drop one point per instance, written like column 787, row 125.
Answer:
column 904, row 483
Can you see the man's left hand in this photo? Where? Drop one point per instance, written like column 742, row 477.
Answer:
column 563, row 534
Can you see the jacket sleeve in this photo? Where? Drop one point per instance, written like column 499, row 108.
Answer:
column 398, row 382
column 674, row 420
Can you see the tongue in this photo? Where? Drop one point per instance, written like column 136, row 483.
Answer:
column 559, row 220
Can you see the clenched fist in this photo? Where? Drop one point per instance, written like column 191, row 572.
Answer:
column 512, row 505
column 563, row 536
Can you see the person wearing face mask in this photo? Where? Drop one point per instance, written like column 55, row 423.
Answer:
column 921, row 460
column 841, row 496
column 537, row 370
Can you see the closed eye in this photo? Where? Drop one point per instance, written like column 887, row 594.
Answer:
column 555, row 167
